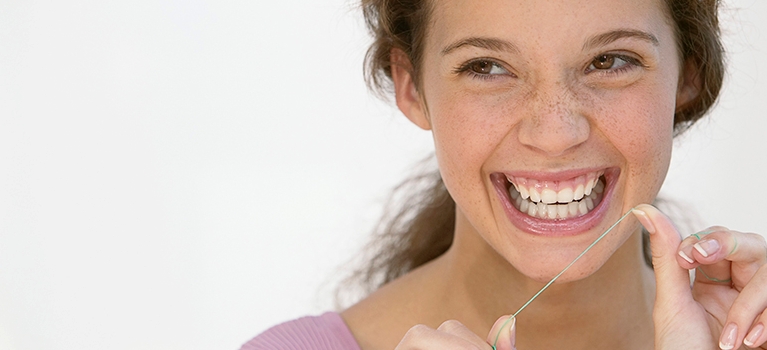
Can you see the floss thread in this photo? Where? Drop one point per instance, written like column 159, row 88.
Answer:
column 514, row 316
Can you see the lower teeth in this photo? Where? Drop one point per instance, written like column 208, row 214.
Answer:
column 556, row 211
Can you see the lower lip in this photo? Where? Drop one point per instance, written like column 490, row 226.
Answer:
column 556, row 228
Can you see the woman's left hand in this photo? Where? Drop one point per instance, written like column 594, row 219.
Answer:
column 728, row 299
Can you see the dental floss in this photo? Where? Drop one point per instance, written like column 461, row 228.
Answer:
column 559, row 274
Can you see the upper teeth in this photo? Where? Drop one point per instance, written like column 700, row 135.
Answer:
column 543, row 192
column 538, row 198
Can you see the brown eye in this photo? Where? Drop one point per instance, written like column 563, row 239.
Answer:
column 481, row 67
column 603, row 62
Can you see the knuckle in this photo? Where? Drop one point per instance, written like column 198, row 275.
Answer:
column 417, row 331
column 450, row 325
column 741, row 315
column 760, row 239
column 740, row 310
column 715, row 229
column 759, row 247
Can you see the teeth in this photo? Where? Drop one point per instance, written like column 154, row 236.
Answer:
column 600, row 187
column 548, row 196
column 565, row 196
column 543, row 210
column 534, row 195
column 578, row 194
column 582, row 208
column 523, row 192
column 552, row 211
column 532, row 210
column 562, row 210
column 572, row 208
column 514, row 194
column 540, row 200
column 597, row 199
column 588, row 188
column 512, row 183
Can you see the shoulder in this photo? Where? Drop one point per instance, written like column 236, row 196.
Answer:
column 325, row 332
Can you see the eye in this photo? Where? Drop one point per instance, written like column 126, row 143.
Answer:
column 482, row 68
column 611, row 62
column 486, row 67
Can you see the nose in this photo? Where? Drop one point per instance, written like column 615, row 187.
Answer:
column 554, row 124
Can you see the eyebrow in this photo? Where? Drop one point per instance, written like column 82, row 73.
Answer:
column 483, row 43
column 598, row 40
column 612, row 36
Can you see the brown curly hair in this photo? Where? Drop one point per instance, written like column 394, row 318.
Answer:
column 421, row 229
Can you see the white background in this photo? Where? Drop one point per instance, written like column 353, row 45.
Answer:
column 184, row 174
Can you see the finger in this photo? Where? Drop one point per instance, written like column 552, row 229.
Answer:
column 685, row 252
column 672, row 281
column 756, row 336
column 457, row 329
column 712, row 268
column 686, row 248
column 423, row 337
column 721, row 243
column 503, row 333
column 746, row 251
column 747, row 307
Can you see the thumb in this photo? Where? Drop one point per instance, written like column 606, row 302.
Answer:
column 672, row 281
column 503, row 334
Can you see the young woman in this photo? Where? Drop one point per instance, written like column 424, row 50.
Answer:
column 551, row 120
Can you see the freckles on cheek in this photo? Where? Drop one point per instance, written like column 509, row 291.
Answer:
column 648, row 138
column 638, row 119
column 468, row 126
column 467, row 130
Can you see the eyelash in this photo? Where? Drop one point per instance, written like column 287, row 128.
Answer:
column 631, row 63
column 465, row 68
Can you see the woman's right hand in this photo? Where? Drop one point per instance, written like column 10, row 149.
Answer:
column 454, row 335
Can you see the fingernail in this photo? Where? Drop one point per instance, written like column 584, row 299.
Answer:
column 728, row 337
column 707, row 247
column 686, row 257
column 754, row 335
column 513, row 333
column 644, row 219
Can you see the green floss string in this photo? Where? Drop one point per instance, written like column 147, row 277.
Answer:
column 514, row 316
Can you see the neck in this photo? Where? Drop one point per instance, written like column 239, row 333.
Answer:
column 604, row 309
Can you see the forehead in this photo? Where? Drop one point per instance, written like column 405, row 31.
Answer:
column 544, row 23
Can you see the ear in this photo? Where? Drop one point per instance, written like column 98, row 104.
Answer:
column 690, row 83
column 405, row 91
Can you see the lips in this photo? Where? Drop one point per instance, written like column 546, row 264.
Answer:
column 556, row 204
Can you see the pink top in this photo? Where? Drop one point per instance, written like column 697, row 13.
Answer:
column 325, row 332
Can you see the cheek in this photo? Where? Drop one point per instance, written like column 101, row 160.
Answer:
column 642, row 131
column 468, row 128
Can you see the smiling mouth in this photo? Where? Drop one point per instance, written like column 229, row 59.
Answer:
column 556, row 200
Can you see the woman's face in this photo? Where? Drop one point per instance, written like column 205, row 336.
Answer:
column 551, row 119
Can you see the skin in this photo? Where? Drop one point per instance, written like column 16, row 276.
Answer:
column 546, row 109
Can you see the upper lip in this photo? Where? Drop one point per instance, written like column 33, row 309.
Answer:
column 553, row 176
